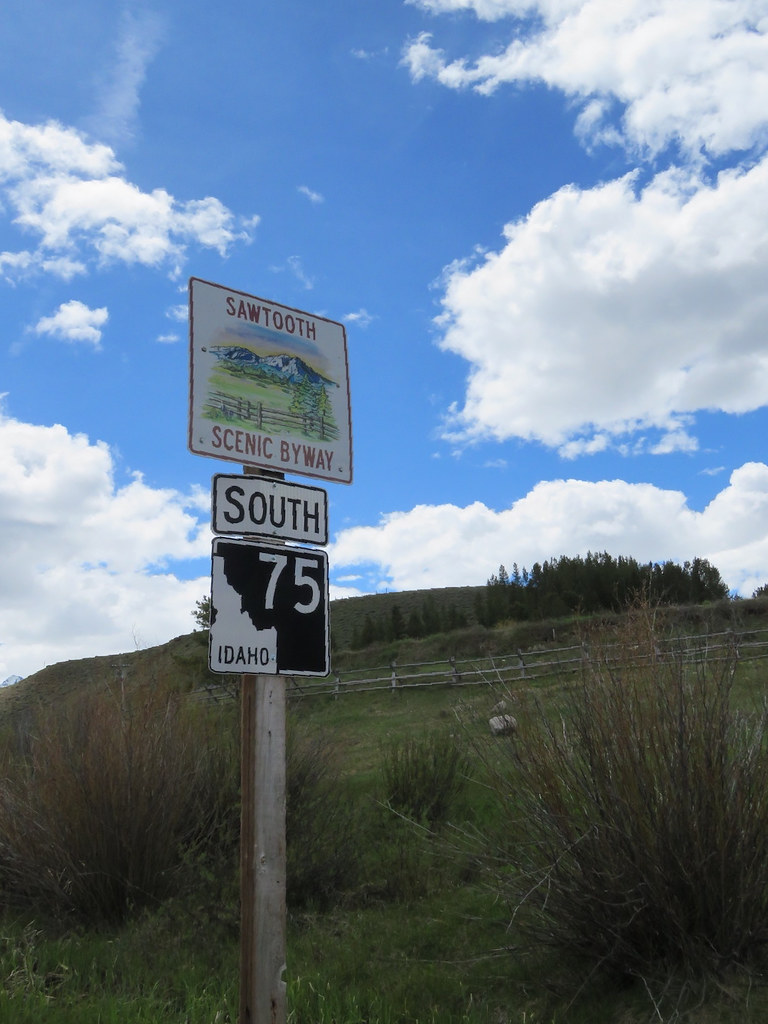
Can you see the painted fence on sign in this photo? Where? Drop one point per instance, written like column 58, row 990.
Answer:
column 260, row 417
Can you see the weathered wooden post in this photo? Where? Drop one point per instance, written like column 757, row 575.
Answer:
column 262, row 845
column 262, row 850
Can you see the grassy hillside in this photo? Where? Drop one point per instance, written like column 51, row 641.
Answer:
column 389, row 922
column 181, row 664
column 348, row 615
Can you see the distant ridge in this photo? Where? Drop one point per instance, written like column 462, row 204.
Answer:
column 283, row 367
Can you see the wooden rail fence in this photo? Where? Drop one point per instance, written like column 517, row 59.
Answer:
column 264, row 418
column 508, row 669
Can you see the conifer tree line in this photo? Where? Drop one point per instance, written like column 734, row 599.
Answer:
column 423, row 620
column 551, row 589
column 599, row 582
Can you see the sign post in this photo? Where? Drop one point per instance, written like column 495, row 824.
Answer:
column 269, row 388
column 262, row 850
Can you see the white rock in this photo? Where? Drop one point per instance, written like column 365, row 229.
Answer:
column 502, row 725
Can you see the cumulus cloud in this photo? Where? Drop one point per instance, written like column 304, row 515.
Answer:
column 74, row 321
column 614, row 310
column 689, row 72
column 73, row 198
column 447, row 545
column 610, row 316
column 86, row 561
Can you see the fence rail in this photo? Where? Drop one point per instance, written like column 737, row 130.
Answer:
column 508, row 669
column 262, row 417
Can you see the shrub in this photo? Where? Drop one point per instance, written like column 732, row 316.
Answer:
column 97, row 816
column 422, row 775
column 638, row 811
column 116, row 802
column 322, row 838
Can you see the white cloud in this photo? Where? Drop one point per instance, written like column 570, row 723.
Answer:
column 296, row 267
column 445, row 545
column 614, row 310
column 362, row 318
column 85, row 561
column 138, row 42
column 313, row 197
column 29, row 151
column 74, row 321
column 689, row 72
column 623, row 309
column 180, row 313
column 72, row 196
column 13, row 262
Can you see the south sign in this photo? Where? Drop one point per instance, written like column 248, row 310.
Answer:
column 258, row 506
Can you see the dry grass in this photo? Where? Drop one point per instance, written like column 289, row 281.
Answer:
column 99, row 808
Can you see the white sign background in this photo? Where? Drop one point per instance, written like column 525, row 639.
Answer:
column 269, row 508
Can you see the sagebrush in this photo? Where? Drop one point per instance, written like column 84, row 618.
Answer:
column 637, row 814
column 422, row 775
column 99, row 809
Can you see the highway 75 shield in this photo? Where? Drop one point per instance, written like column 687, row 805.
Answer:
column 269, row 609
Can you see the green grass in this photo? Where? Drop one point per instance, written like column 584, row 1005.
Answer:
column 420, row 931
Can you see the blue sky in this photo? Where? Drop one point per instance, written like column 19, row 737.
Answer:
column 543, row 223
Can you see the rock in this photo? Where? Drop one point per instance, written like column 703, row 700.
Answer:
column 502, row 725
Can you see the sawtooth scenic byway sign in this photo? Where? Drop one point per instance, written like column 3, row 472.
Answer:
column 269, row 385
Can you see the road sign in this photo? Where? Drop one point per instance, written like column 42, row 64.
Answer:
column 269, row 385
column 269, row 609
column 269, row 508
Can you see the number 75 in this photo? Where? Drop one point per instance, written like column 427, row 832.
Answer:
column 300, row 579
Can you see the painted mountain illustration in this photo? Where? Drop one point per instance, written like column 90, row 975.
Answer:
column 282, row 368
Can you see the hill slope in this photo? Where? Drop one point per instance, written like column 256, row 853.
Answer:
column 182, row 663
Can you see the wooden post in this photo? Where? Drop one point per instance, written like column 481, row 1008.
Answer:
column 262, row 851
column 262, row 843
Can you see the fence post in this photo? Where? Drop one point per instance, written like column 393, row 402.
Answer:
column 393, row 684
column 586, row 656
column 521, row 663
column 455, row 677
